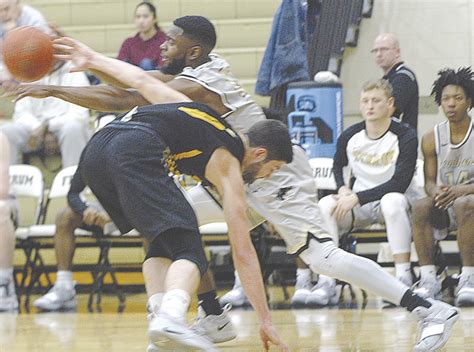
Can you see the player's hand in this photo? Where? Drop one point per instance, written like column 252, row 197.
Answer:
column 269, row 335
column 90, row 215
column 344, row 205
column 102, row 219
column 344, row 191
column 445, row 199
column 73, row 50
column 20, row 91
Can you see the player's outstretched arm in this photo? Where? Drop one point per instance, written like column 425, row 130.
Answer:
column 223, row 170
column 84, row 58
column 101, row 98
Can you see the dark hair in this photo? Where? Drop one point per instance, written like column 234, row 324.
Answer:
column 463, row 78
column 152, row 9
column 274, row 114
column 199, row 29
column 274, row 137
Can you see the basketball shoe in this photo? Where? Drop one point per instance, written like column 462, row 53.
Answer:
column 218, row 328
column 59, row 297
column 324, row 293
column 302, row 291
column 436, row 323
column 8, row 298
column 163, row 327
column 465, row 291
column 429, row 288
column 235, row 297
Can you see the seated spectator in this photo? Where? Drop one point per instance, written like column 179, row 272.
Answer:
column 143, row 49
column 8, row 299
column 38, row 123
column 449, row 184
column 381, row 155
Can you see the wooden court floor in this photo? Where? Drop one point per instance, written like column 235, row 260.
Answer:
column 346, row 327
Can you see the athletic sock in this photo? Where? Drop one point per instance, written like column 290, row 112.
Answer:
column 154, row 302
column 411, row 300
column 402, row 268
column 175, row 304
column 428, row 272
column 210, row 303
column 64, row 277
column 6, row 275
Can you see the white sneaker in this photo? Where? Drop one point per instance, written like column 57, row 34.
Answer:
column 218, row 328
column 163, row 326
column 235, row 297
column 302, row 291
column 429, row 289
column 60, row 297
column 465, row 291
column 323, row 293
column 8, row 298
column 436, row 323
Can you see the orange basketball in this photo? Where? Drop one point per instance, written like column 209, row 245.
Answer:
column 27, row 53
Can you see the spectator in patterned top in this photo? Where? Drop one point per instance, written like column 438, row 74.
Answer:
column 143, row 50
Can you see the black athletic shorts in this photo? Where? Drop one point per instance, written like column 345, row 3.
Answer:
column 122, row 164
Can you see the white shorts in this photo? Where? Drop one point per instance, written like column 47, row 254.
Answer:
column 288, row 200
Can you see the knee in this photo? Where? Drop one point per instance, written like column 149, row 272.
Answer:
column 327, row 204
column 5, row 210
column 67, row 220
column 421, row 211
column 392, row 204
column 464, row 208
column 72, row 128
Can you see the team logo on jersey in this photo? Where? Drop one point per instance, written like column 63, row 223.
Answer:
column 282, row 192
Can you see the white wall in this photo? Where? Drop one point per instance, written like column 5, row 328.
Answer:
column 433, row 34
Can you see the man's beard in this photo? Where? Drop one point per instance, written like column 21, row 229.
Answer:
column 176, row 66
column 250, row 174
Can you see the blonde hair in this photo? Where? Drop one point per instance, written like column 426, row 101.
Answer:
column 381, row 84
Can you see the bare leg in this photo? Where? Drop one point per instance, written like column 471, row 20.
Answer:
column 422, row 231
column 464, row 208
column 64, row 241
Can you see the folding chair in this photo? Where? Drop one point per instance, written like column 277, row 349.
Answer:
column 27, row 186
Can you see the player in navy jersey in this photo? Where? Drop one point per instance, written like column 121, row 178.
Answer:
column 448, row 152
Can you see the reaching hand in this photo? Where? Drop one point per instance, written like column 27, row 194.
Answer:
column 268, row 334
column 447, row 195
column 73, row 50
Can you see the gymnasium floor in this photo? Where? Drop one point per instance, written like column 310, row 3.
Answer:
column 346, row 327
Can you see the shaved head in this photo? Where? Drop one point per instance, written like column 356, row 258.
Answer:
column 386, row 49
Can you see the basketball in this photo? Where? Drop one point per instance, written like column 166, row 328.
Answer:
column 27, row 53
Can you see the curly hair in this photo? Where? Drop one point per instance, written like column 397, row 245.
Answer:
column 463, row 78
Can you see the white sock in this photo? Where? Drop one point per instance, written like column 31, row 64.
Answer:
column 467, row 271
column 237, row 283
column 6, row 275
column 64, row 278
column 303, row 274
column 428, row 272
column 154, row 302
column 175, row 303
column 402, row 268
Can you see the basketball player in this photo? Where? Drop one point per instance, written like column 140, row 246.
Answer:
column 381, row 155
column 449, row 184
column 123, row 166
column 296, row 218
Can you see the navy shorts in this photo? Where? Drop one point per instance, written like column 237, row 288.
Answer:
column 122, row 164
